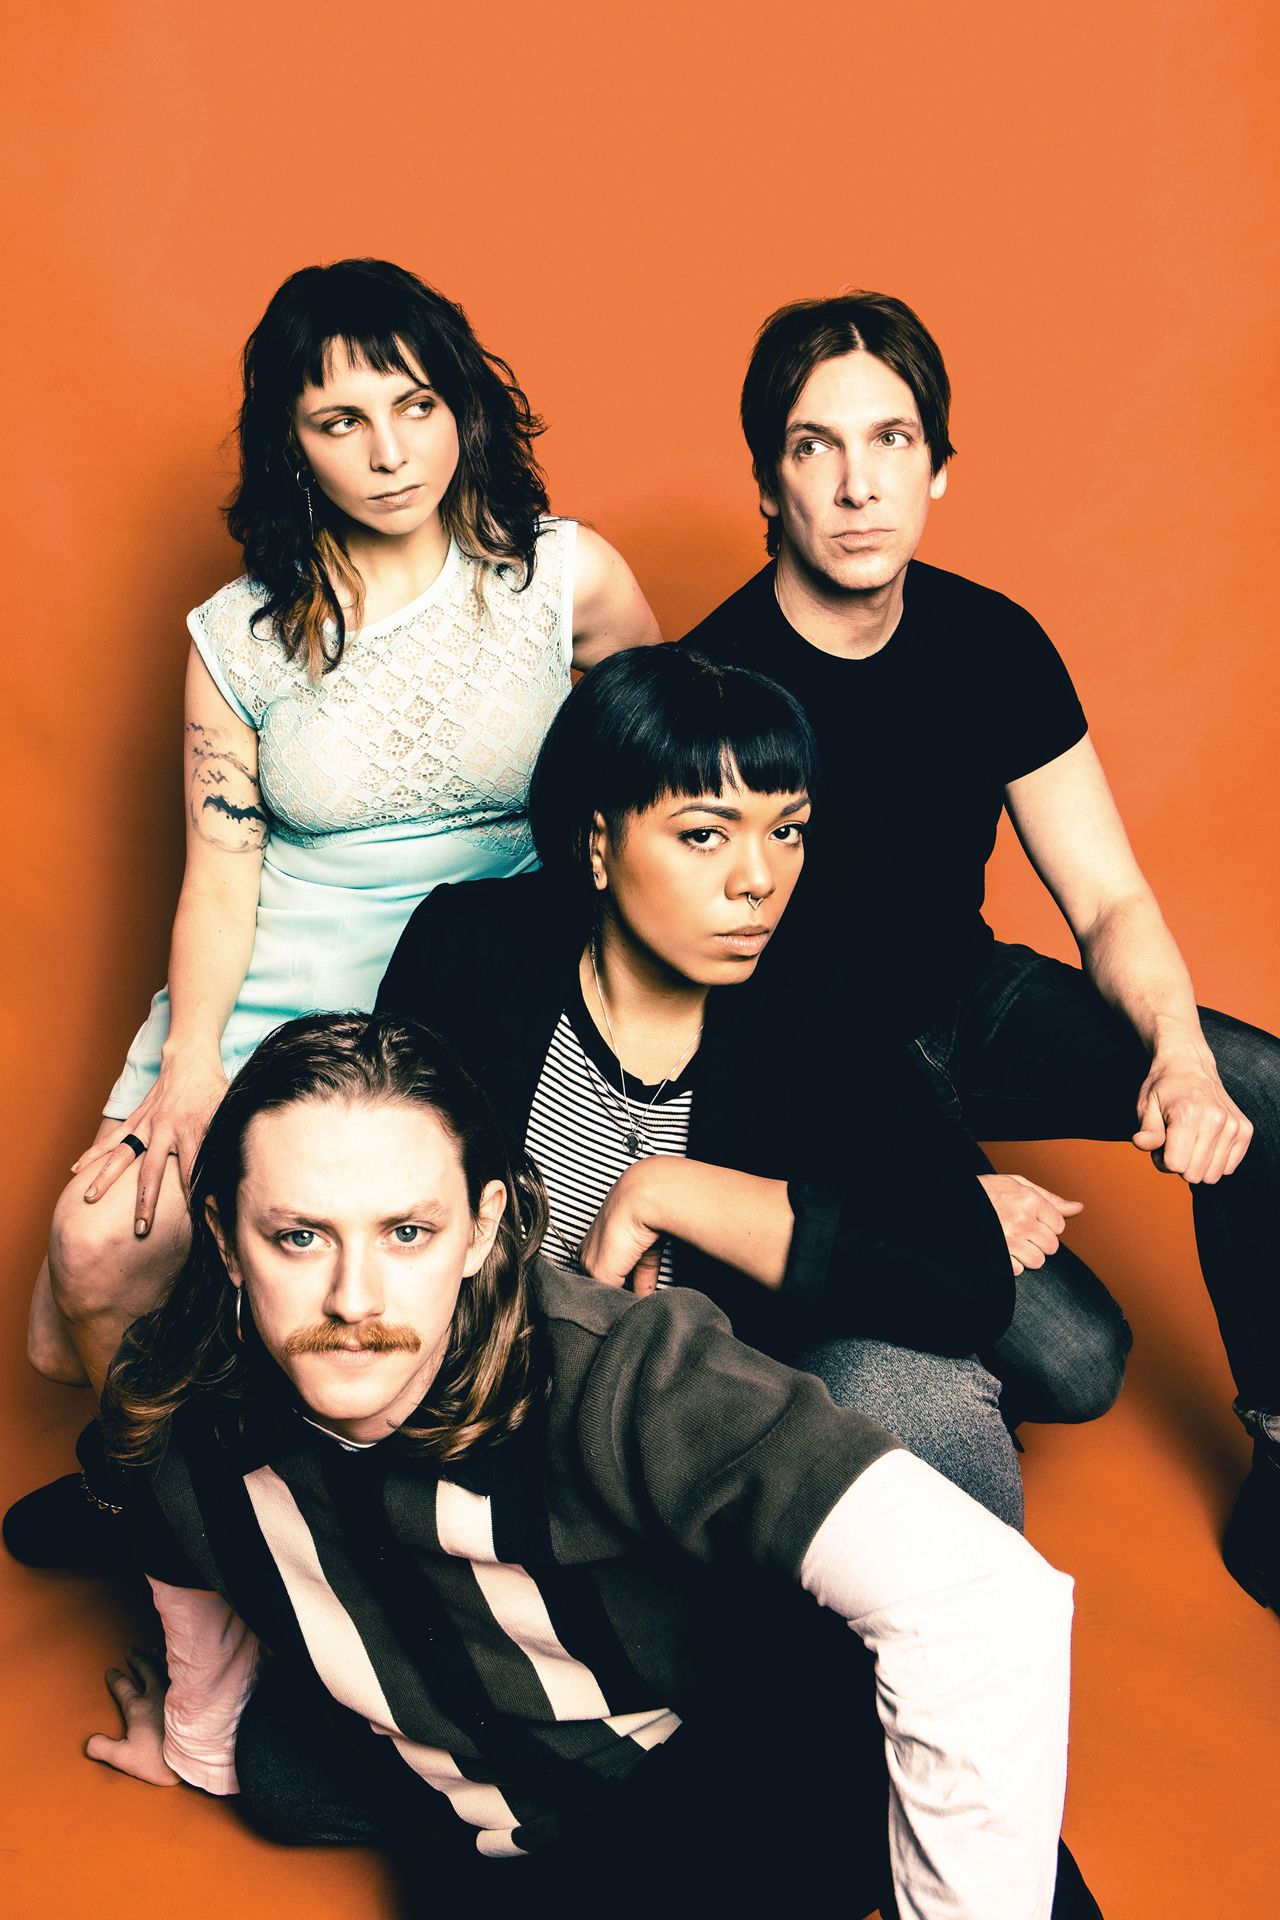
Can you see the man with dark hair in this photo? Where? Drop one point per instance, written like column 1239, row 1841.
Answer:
column 936, row 703
column 492, row 1521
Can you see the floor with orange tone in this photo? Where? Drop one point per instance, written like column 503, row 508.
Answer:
column 1176, row 1726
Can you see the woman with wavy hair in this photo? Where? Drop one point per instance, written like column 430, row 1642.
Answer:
column 363, row 709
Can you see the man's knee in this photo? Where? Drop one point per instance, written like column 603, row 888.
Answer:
column 1248, row 1059
column 1075, row 1380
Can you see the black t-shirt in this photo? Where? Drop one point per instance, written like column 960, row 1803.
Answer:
column 918, row 742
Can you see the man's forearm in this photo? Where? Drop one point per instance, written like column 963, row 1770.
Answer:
column 1185, row 1113
column 1133, row 960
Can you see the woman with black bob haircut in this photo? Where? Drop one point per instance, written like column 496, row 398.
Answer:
column 658, row 724
column 363, row 708
column 680, row 1071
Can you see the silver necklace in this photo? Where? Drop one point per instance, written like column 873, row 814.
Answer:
column 634, row 1133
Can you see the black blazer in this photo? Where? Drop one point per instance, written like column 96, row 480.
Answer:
column 894, row 1238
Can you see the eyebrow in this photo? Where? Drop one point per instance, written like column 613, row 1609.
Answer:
column 432, row 1210
column 805, row 427
column 731, row 813
column 421, row 386
column 817, row 427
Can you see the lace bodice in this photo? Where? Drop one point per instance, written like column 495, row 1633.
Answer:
column 434, row 715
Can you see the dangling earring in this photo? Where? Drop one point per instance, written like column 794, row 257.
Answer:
column 304, row 481
column 239, row 1298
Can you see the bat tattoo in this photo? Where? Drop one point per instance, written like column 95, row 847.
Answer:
column 216, row 774
column 214, row 802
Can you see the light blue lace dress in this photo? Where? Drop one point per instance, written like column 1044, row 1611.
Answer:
column 407, row 766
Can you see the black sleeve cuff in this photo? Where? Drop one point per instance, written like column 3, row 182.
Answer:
column 923, row 1267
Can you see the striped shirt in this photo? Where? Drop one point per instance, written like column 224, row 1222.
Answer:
column 582, row 1114
column 519, row 1627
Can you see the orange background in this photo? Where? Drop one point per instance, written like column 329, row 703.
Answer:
column 1079, row 202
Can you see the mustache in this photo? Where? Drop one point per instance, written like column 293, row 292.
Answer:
column 332, row 1337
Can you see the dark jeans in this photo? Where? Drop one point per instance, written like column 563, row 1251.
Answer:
column 1032, row 1052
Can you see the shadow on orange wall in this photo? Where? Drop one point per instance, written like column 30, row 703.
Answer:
column 1075, row 203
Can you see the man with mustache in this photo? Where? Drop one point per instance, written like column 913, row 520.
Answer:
column 937, row 703
column 494, row 1523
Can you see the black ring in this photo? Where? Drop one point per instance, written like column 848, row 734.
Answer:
column 139, row 1146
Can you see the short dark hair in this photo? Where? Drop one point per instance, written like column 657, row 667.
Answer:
column 797, row 338
column 655, row 721
column 382, row 314
column 189, row 1347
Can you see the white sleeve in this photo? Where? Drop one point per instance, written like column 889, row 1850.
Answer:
column 970, row 1629
column 208, row 652
column 213, row 1660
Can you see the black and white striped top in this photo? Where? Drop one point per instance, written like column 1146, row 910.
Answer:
column 517, row 1626
column 578, row 1127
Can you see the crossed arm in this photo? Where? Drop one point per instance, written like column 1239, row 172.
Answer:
column 746, row 1222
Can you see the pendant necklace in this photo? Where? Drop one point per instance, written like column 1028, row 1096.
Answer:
column 634, row 1135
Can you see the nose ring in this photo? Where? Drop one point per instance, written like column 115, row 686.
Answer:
column 754, row 904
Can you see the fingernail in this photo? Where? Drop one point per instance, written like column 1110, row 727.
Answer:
column 91, row 1193
column 75, row 1166
column 140, row 1228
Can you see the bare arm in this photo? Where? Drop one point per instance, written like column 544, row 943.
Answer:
column 740, row 1219
column 213, row 932
column 1071, row 829
column 915, row 1260
column 609, row 611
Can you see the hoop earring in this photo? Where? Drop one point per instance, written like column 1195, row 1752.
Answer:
column 239, row 1299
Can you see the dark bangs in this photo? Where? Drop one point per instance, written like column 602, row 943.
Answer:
column 395, row 323
column 382, row 315
column 382, row 351
column 653, row 722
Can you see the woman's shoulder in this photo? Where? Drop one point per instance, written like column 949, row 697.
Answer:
column 235, row 605
column 242, row 653
column 556, row 542
column 555, row 548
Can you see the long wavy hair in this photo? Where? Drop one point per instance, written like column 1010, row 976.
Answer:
column 489, row 1377
column 394, row 323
